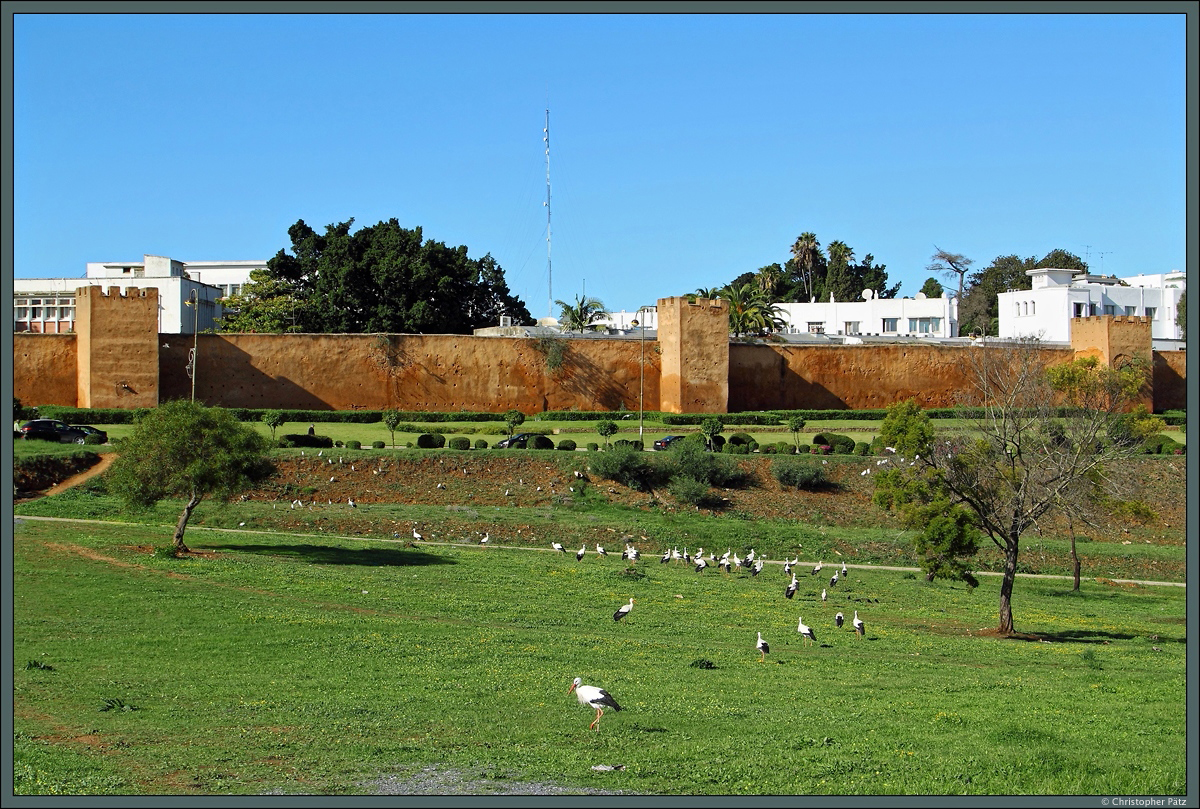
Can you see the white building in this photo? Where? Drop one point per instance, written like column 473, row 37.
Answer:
column 1057, row 295
column 48, row 304
column 873, row 316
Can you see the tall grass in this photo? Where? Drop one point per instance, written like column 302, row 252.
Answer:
column 317, row 665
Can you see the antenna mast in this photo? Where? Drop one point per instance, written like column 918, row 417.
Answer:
column 549, row 274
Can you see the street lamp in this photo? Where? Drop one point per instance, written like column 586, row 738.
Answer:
column 642, row 364
column 193, row 301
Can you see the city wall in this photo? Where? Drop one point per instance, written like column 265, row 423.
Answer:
column 131, row 365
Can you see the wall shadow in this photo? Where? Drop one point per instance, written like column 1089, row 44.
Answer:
column 225, row 377
column 324, row 555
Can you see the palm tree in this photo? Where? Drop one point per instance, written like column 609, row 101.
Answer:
column 838, row 276
column 711, row 293
column 750, row 312
column 806, row 250
column 768, row 280
column 580, row 315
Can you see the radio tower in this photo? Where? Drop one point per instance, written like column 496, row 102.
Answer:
column 549, row 274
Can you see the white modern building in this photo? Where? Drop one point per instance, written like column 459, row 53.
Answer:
column 1057, row 295
column 48, row 304
column 873, row 316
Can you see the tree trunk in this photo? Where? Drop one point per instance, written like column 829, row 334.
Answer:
column 1074, row 556
column 1006, row 586
column 181, row 526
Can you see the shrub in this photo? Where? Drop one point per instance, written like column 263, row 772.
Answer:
column 337, row 443
column 862, row 448
column 593, row 446
column 431, row 441
column 378, row 445
column 690, row 491
column 460, row 442
column 740, row 438
column 93, row 439
column 353, row 444
column 798, row 472
column 567, row 445
column 306, row 440
column 481, row 443
column 539, row 441
column 626, row 465
column 689, row 459
column 1154, row 445
column 841, row 444
column 769, row 449
column 784, row 448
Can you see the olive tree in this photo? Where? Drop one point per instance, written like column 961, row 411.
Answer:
column 186, row 450
column 274, row 420
column 1009, row 470
column 514, row 419
column 607, row 430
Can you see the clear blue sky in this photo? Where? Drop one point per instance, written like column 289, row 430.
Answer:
column 684, row 149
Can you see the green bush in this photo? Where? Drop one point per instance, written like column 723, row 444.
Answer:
column 862, row 448
column 799, row 473
column 353, row 444
column 567, row 445
column 378, row 445
column 481, row 443
column 460, row 442
column 841, row 444
column 689, row 459
column 93, row 439
column 1160, row 444
column 431, row 441
column 690, row 491
column 593, row 446
column 306, row 440
column 540, row 441
column 628, row 466
column 1175, row 418
column 740, row 438
column 769, row 449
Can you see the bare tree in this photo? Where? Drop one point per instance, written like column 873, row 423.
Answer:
column 950, row 265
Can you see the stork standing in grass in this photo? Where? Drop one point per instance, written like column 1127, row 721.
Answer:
column 791, row 588
column 558, row 547
column 806, row 631
column 593, row 697
column 579, row 554
column 860, row 629
column 817, row 569
column 838, row 619
column 623, row 611
column 762, row 647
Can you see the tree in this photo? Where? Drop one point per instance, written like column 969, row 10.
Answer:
column 979, row 308
column 1009, row 472
column 932, row 288
column 1181, row 313
column 391, row 420
column 796, row 424
column 710, row 428
column 513, row 418
column 580, row 315
column 607, row 429
column 839, row 283
column 273, row 419
column 379, row 279
column 184, row 449
column 750, row 312
column 769, row 279
column 950, row 265
column 806, row 252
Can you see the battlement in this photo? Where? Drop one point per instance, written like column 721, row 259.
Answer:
column 117, row 363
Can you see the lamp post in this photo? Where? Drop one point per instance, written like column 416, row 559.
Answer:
column 193, row 301
column 641, row 323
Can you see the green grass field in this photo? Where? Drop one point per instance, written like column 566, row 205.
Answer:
column 301, row 664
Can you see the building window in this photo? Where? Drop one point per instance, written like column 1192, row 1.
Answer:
column 890, row 324
column 1110, row 309
column 1093, row 309
column 235, row 289
column 852, row 326
column 1150, row 310
column 816, row 328
column 924, row 325
column 1033, row 307
column 1130, row 310
column 139, row 272
column 1079, row 310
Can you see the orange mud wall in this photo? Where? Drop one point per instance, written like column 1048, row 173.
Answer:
column 409, row 372
column 44, row 368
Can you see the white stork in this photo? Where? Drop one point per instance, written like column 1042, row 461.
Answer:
column 838, row 619
column 833, row 580
column 700, row 564
column 676, row 555
column 558, row 547
column 762, row 647
column 758, row 566
column 579, row 553
column 843, row 570
column 623, row 611
column 593, row 697
column 823, row 595
column 417, row 536
column 600, row 551
column 791, row 588
column 486, row 537
column 859, row 627
column 806, row 631
column 666, row 557
column 750, row 556
column 817, row 569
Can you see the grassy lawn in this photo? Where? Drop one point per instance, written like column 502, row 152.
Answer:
column 301, row 664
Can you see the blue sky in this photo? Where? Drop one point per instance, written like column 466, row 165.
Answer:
column 684, row 149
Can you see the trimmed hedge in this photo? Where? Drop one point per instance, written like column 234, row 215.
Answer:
column 306, row 440
column 431, row 441
column 841, row 444
column 460, row 442
column 567, row 445
column 540, row 441
column 353, row 444
column 480, row 443
column 378, row 445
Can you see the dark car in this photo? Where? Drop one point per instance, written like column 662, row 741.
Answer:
column 60, row 431
column 518, row 441
column 665, row 443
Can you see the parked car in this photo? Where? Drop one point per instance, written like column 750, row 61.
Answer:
column 518, row 441
column 60, row 431
column 665, row 443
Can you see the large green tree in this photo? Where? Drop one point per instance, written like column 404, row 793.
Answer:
column 186, row 450
column 580, row 314
column 979, row 308
column 750, row 311
column 378, row 279
column 1010, row 469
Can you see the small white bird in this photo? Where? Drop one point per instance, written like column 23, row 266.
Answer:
column 579, row 554
column 806, row 631
column 558, row 547
column 817, row 569
column 600, row 551
column 417, row 536
column 351, row 503
column 833, row 580
column 838, row 619
column 758, row 566
column 823, row 595
column 791, row 588
column 700, row 565
column 593, row 697
column 486, row 537
column 843, row 570
column 666, row 557
column 762, row 647
column 859, row 628
column 623, row 611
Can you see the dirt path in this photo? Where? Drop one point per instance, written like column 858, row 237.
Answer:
column 106, row 461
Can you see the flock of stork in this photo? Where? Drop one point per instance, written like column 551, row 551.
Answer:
column 599, row 699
